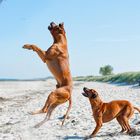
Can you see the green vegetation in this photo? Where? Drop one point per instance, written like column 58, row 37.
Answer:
column 127, row 77
column 106, row 70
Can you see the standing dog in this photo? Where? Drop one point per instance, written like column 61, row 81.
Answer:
column 57, row 60
column 122, row 110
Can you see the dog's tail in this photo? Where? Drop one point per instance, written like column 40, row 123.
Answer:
column 139, row 112
column 137, row 109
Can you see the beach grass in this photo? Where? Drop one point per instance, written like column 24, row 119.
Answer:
column 127, row 77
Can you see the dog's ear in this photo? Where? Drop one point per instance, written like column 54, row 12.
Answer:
column 94, row 96
column 61, row 25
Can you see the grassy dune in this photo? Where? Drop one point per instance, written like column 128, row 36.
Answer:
column 127, row 77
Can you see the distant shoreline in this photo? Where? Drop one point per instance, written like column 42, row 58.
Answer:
column 33, row 79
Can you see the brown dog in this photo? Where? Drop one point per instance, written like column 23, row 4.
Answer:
column 57, row 60
column 122, row 110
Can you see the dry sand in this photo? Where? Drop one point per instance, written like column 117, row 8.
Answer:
column 19, row 98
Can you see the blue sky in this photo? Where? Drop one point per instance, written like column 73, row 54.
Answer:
column 99, row 32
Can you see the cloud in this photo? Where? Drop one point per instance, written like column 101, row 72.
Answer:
column 1, row 1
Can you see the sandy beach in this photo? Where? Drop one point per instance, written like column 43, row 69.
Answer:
column 17, row 99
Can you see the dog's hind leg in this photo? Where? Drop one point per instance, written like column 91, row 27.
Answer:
column 57, row 97
column 120, row 121
column 42, row 122
column 43, row 110
column 125, row 118
column 127, row 124
column 36, row 112
column 45, row 107
column 50, row 110
column 68, row 110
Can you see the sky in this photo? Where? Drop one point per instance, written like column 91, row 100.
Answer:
column 99, row 32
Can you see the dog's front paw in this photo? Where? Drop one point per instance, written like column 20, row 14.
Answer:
column 31, row 113
column 88, row 137
column 29, row 47
column 37, row 125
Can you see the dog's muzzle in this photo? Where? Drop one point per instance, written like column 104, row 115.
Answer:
column 84, row 93
column 85, row 89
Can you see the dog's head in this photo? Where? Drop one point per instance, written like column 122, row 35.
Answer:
column 90, row 93
column 56, row 29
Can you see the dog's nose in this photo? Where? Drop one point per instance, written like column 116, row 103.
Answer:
column 49, row 27
column 52, row 24
column 84, row 88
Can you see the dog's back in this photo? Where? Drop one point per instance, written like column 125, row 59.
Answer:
column 115, row 108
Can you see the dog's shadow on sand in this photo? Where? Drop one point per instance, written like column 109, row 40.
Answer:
column 135, row 133
column 73, row 138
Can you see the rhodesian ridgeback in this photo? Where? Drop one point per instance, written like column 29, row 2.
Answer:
column 122, row 110
column 57, row 60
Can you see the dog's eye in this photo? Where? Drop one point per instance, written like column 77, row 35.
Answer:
column 93, row 96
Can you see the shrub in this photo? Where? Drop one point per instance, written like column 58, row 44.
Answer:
column 106, row 70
